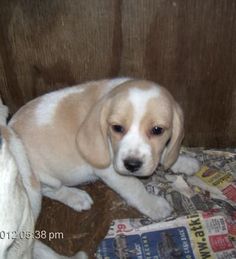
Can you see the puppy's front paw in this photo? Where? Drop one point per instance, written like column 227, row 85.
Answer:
column 79, row 200
column 73, row 197
column 156, row 207
column 185, row 164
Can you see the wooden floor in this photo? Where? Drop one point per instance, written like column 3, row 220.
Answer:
column 84, row 230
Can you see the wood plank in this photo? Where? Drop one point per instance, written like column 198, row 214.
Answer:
column 186, row 45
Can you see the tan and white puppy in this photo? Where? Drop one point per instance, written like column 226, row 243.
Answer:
column 114, row 130
column 20, row 200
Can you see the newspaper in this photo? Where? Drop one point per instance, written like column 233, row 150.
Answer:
column 212, row 187
column 199, row 235
column 203, row 224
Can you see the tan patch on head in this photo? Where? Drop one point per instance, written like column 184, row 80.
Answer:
column 158, row 114
column 135, row 83
column 121, row 113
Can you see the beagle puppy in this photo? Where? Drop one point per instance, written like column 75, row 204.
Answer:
column 20, row 200
column 114, row 130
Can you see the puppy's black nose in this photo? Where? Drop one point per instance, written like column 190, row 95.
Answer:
column 132, row 164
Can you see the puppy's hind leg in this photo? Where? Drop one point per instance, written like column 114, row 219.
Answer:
column 73, row 197
column 41, row 251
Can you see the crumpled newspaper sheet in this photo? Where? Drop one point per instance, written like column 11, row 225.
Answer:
column 203, row 224
column 214, row 185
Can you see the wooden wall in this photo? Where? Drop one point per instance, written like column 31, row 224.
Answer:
column 189, row 46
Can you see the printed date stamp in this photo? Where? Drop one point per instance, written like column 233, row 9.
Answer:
column 37, row 234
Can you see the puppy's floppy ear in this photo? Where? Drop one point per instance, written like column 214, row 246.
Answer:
column 171, row 151
column 92, row 139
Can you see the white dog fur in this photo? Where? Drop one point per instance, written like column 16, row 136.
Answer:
column 20, row 200
column 114, row 130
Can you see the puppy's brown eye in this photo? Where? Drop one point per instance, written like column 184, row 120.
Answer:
column 118, row 128
column 157, row 130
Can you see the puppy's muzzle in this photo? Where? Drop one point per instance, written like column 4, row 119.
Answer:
column 133, row 164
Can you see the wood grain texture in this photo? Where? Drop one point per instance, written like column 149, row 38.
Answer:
column 186, row 45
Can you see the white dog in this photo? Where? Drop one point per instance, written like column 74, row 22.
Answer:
column 114, row 130
column 20, row 200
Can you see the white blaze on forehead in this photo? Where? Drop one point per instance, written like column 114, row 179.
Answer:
column 48, row 104
column 133, row 143
column 139, row 99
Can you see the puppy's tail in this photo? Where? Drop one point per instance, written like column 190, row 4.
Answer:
column 3, row 113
